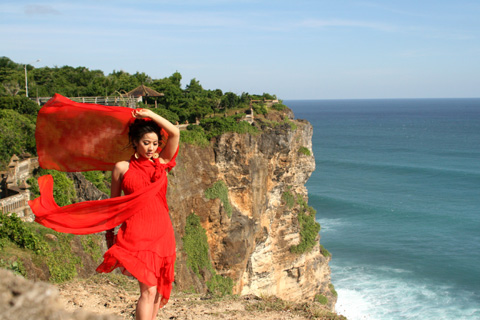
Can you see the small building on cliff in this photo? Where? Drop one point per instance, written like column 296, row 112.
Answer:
column 14, row 193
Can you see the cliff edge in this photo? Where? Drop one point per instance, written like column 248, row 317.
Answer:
column 257, row 221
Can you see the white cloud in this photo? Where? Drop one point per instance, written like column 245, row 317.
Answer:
column 322, row 23
column 38, row 9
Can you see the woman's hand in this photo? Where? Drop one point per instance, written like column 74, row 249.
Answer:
column 142, row 113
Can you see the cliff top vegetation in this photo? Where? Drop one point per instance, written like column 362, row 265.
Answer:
column 216, row 111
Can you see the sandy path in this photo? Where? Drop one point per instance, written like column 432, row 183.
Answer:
column 118, row 296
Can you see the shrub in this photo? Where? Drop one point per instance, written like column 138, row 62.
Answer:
column 279, row 106
column 321, row 298
column 58, row 255
column 13, row 229
column 289, row 199
column 305, row 151
column 216, row 126
column 194, row 135
column 309, row 230
column 17, row 135
column 219, row 285
column 219, row 190
column 167, row 114
column 196, row 246
column 98, row 179
column 63, row 189
column 324, row 251
column 259, row 108
column 20, row 104
column 332, row 290
column 61, row 261
column 92, row 245
column 291, row 123
column 16, row 266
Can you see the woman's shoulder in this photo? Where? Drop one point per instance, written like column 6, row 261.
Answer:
column 121, row 167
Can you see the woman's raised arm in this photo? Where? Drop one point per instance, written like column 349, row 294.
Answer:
column 173, row 132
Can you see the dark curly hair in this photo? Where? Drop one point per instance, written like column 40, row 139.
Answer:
column 140, row 127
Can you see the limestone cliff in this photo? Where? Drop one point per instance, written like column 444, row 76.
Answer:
column 251, row 244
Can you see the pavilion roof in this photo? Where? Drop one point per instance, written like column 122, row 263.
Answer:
column 143, row 91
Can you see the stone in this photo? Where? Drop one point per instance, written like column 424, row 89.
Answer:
column 24, row 299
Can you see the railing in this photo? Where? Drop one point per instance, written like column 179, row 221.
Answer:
column 106, row 101
column 16, row 204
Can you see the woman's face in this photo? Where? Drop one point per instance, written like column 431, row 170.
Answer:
column 147, row 145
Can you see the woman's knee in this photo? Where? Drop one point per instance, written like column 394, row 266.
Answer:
column 147, row 292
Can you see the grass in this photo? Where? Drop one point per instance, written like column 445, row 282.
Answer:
column 309, row 310
column 219, row 190
column 305, row 151
column 196, row 246
column 21, row 241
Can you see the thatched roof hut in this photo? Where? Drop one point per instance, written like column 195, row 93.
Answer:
column 144, row 91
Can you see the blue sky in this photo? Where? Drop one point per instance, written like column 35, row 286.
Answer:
column 295, row 49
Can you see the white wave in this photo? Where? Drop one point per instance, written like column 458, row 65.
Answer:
column 330, row 224
column 382, row 293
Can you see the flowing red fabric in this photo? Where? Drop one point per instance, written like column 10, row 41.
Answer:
column 73, row 136
column 88, row 216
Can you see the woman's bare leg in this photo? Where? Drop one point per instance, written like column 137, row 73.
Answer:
column 159, row 303
column 146, row 302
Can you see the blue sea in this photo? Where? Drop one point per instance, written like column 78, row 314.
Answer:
column 397, row 193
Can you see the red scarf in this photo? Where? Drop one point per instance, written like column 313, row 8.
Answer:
column 74, row 136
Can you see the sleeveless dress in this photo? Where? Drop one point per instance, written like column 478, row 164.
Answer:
column 145, row 243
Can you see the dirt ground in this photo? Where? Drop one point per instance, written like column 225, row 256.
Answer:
column 118, row 295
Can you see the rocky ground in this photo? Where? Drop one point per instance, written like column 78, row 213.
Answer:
column 108, row 297
column 118, row 296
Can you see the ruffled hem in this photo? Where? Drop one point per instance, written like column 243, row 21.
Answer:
column 146, row 266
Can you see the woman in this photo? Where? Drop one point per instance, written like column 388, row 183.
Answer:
column 145, row 244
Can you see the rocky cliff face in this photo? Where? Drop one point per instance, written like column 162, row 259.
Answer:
column 251, row 244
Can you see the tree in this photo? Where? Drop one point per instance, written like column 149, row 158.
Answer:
column 17, row 135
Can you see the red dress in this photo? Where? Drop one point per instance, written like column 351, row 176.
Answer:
column 145, row 243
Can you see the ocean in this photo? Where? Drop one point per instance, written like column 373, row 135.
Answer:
column 397, row 194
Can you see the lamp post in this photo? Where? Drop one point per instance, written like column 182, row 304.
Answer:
column 26, row 79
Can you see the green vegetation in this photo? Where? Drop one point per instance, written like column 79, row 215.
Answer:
column 219, row 190
column 16, row 266
column 194, row 135
column 218, row 125
column 20, row 104
column 196, row 247
column 279, row 106
column 305, row 151
column 20, row 240
column 321, row 299
column 17, row 135
column 63, row 189
column 218, row 112
column 307, row 310
column 332, row 290
column 309, row 228
column 259, row 108
column 91, row 246
column 220, row 286
column 98, row 179
column 289, row 199
column 188, row 104
column 325, row 252
column 61, row 261
column 292, row 124
column 19, row 233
